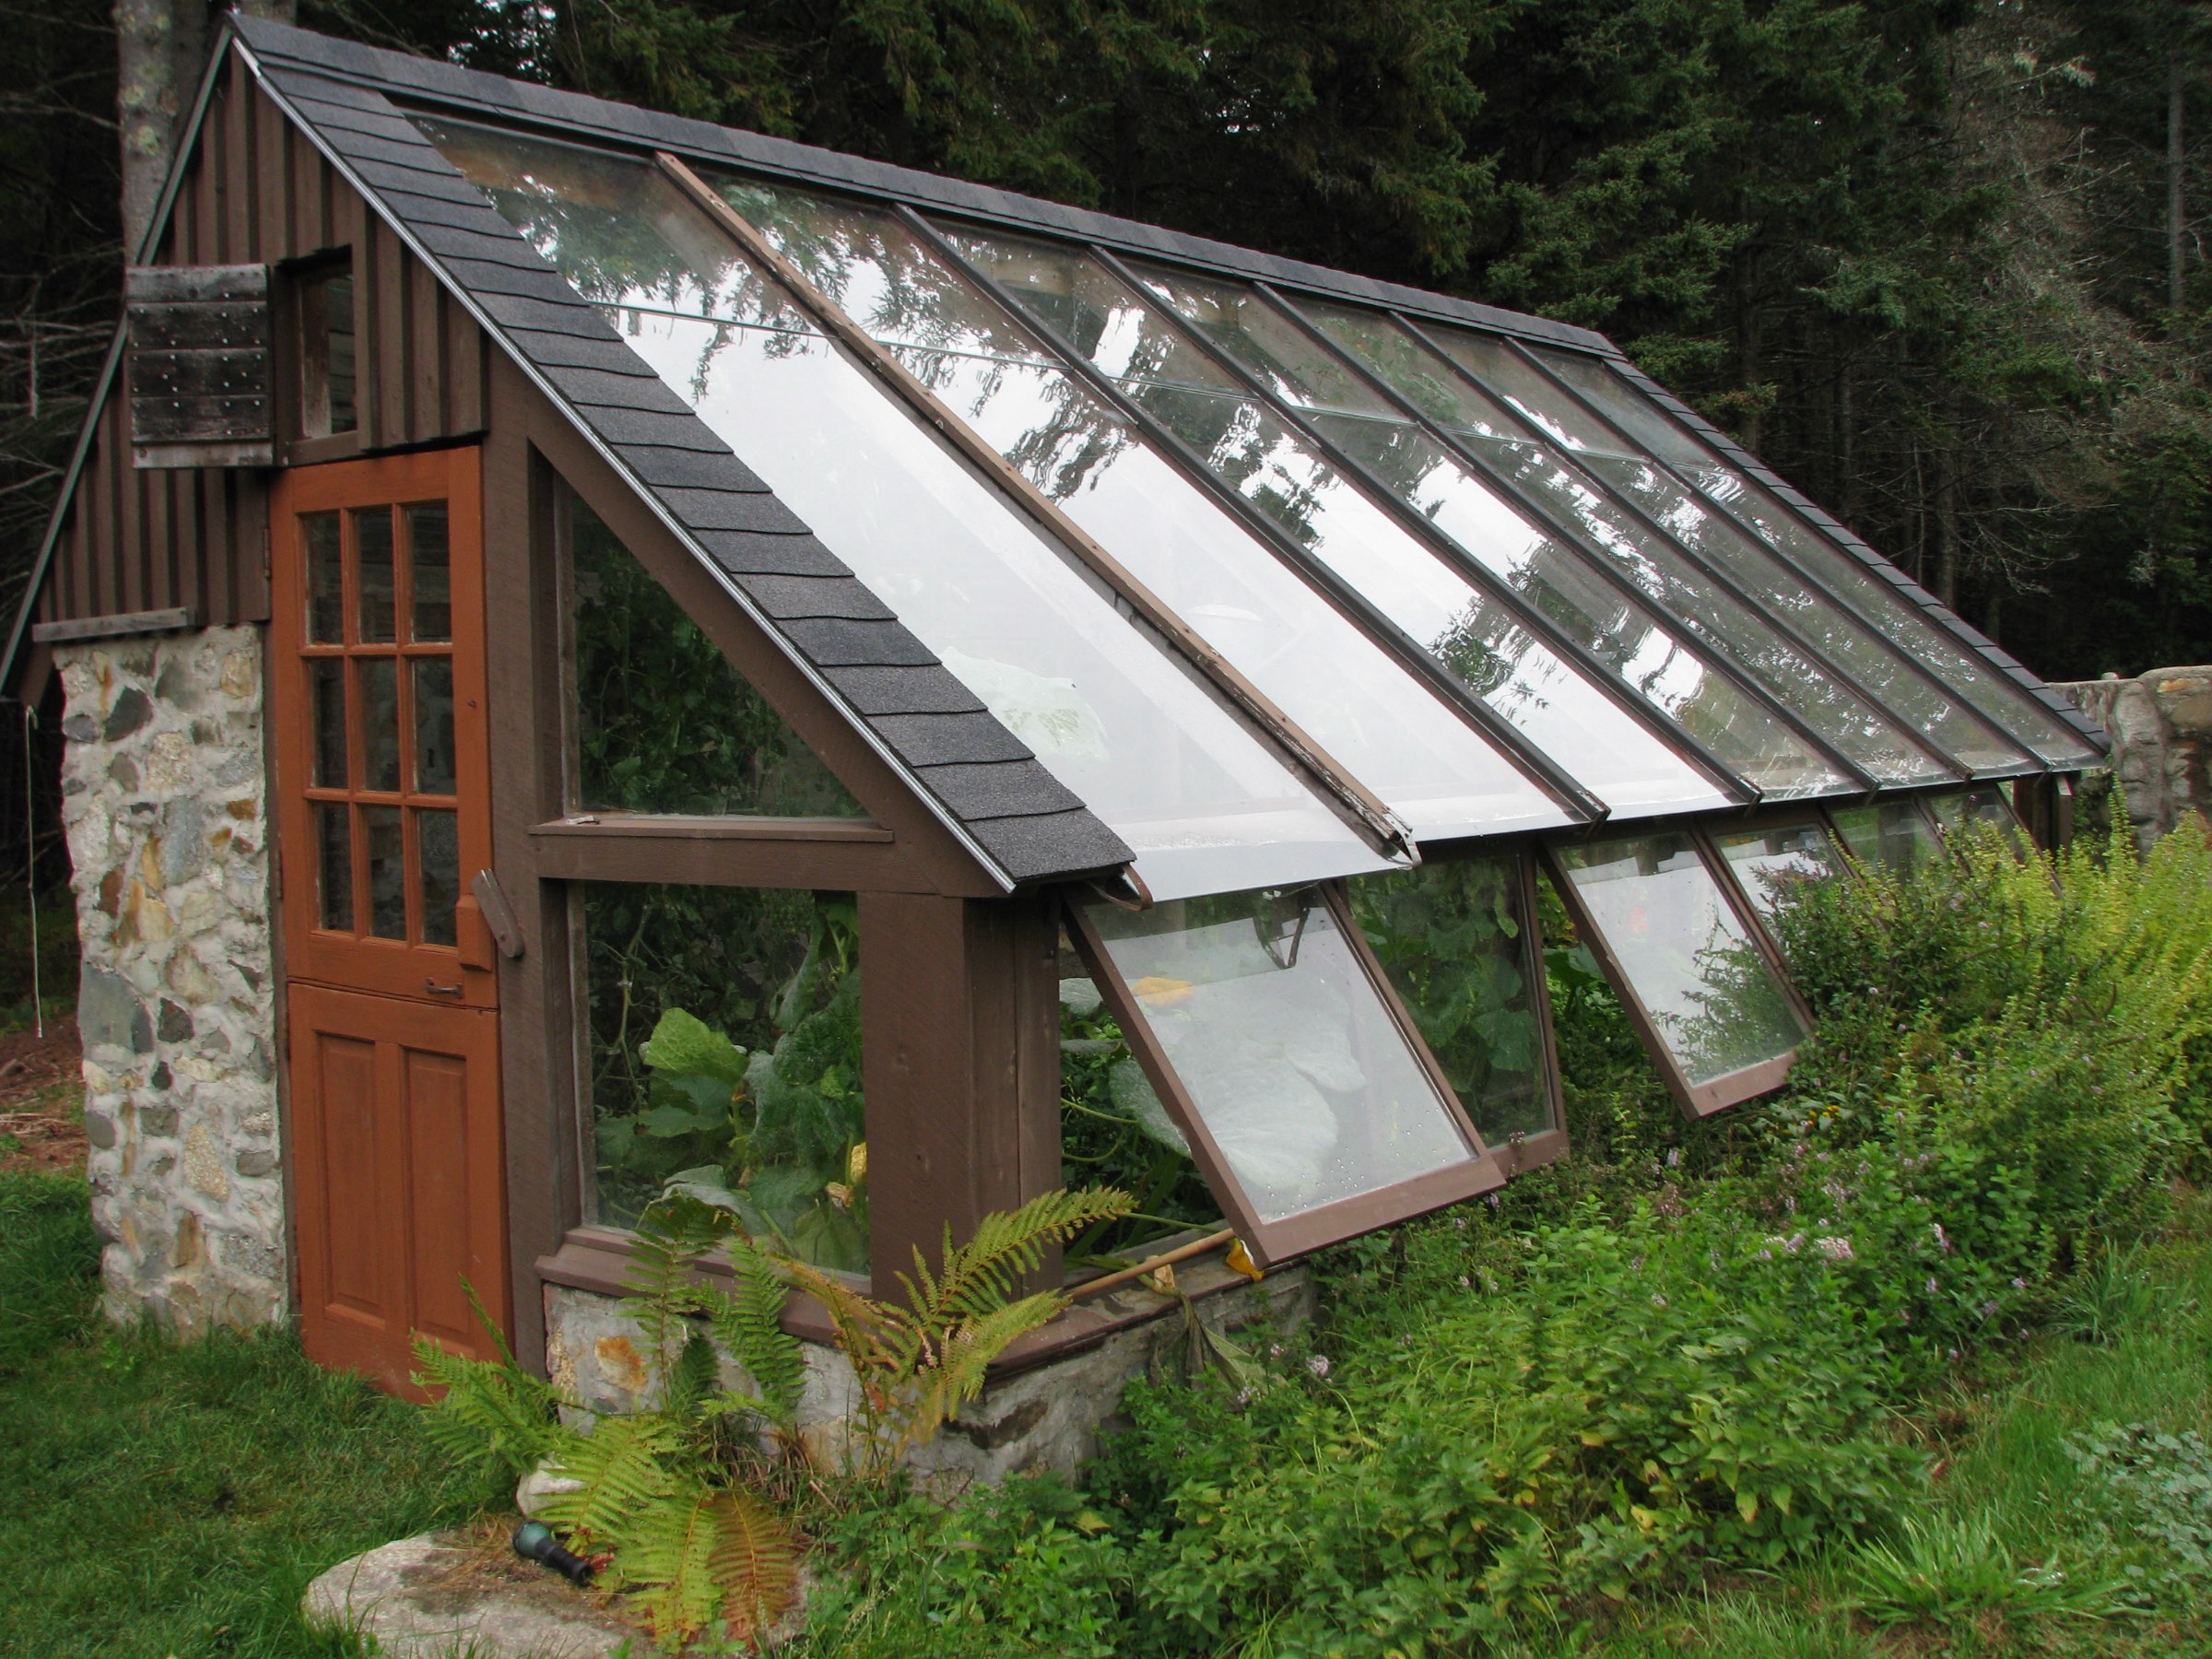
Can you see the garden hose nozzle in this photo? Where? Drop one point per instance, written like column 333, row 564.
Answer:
column 534, row 1541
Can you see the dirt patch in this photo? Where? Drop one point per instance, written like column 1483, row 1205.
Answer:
column 43, row 1100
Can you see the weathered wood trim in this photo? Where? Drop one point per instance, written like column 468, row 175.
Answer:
column 115, row 625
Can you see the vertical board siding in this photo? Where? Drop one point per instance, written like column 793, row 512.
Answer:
column 258, row 192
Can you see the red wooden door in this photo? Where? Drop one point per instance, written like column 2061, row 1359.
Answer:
column 383, row 820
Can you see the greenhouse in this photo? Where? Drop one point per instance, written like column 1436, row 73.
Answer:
column 867, row 698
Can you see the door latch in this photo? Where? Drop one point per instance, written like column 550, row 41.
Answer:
column 435, row 989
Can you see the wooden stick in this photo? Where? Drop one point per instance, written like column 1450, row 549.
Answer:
column 1181, row 1252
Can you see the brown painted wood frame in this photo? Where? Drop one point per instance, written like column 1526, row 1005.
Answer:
column 1272, row 1242
column 1716, row 1094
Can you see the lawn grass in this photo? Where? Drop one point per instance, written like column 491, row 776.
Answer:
column 2003, row 1439
column 174, row 1498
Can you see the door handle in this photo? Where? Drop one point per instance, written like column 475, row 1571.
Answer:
column 435, row 989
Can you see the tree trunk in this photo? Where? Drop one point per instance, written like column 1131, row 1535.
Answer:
column 1947, row 523
column 2173, row 182
column 161, row 46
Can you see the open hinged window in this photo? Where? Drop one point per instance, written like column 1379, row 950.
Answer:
column 1297, row 1079
column 1689, row 960
column 1984, row 806
column 1899, row 835
column 1770, row 859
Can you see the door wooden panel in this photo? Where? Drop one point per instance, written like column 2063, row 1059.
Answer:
column 398, row 1188
column 383, row 817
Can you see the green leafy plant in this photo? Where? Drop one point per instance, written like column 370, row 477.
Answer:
column 916, row 1364
column 2160, row 1483
column 1950, row 1570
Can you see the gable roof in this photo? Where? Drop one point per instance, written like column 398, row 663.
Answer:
column 1022, row 822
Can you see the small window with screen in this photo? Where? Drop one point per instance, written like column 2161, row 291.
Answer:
column 327, row 368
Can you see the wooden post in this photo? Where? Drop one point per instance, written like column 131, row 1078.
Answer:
column 961, row 1063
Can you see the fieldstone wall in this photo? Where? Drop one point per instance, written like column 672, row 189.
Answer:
column 2160, row 728
column 1047, row 1417
column 163, row 798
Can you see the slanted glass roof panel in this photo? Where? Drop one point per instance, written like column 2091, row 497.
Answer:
column 1107, row 708
column 1563, row 713
column 1638, row 547
column 1771, row 860
column 1442, row 777
column 1298, row 1073
column 1980, row 682
column 1481, row 517
column 1704, row 986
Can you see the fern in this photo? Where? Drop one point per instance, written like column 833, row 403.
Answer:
column 748, row 1322
column 621, row 1468
column 755, row 1563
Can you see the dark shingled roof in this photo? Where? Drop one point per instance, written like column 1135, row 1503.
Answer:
column 491, row 97
column 979, row 775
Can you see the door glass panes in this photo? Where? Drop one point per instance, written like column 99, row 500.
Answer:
column 374, row 574
column 1561, row 712
column 325, row 578
column 725, row 1041
column 334, row 866
column 1980, row 682
column 1441, row 776
column 1288, row 1054
column 1893, row 834
column 1107, row 709
column 1538, row 405
column 433, row 725
column 383, row 772
column 387, row 872
column 437, row 863
column 431, row 560
column 1455, row 937
column 379, row 682
column 326, row 694
column 1687, row 958
column 1770, row 862
column 664, row 721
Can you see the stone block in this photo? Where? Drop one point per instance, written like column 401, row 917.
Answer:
column 109, row 1014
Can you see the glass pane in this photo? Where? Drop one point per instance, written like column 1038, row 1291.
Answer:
column 326, row 697
column 1109, row 710
column 432, row 599
column 1294, row 1063
column 339, row 368
column 1890, row 833
column 387, row 873
column 334, row 864
column 1395, row 449
column 372, row 533
column 1131, row 339
column 1986, row 807
column 433, row 725
column 1115, row 1130
column 1978, row 681
column 725, row 1041
column 380, row 721
column 665, row 723
column 1440, row 775
column 438, row 851
column 1677, row 583
column 1768, row 862
column 1455, row 938
column 1687, row 957
column 325, row 579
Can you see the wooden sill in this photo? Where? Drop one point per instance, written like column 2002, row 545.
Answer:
column 586, row 826
column 596, row 1259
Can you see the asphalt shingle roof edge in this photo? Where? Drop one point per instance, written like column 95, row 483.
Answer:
column 1022, row 824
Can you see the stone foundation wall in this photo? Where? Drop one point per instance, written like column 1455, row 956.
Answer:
column 2160, row 728
column 163, row 798
column 1047, row 1417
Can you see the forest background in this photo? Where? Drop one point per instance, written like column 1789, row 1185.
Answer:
column 1941, row 261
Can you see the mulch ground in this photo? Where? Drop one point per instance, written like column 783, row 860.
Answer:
column 43, row 1100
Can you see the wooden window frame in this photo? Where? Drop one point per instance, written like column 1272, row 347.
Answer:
column 1274, row 1243
column 302, row 346
column 1732, row 1088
